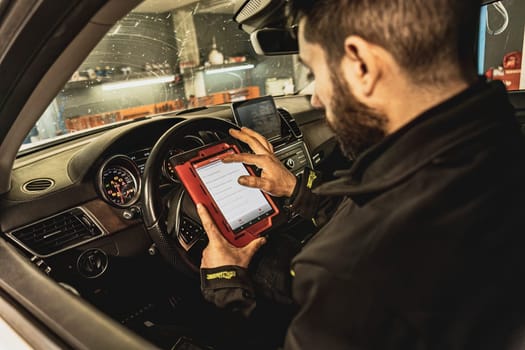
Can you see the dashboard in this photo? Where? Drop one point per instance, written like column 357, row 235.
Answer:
column 89, row 209
column 119, row 179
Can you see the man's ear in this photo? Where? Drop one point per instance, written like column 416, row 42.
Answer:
column 361, row 65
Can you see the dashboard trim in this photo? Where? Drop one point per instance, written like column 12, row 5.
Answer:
column 19, row 163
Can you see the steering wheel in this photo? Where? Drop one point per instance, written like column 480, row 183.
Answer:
column 165, row 222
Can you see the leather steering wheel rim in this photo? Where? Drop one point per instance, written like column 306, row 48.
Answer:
column 153, row 209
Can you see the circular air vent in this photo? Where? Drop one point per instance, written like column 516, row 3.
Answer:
column 38, row 185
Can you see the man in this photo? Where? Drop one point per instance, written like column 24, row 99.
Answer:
column 425, row 250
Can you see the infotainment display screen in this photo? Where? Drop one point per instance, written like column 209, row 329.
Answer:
column 259, row 114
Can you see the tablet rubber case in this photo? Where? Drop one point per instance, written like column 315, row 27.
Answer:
column 199, row 194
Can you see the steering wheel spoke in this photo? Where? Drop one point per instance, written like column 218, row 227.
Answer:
column 174, row 225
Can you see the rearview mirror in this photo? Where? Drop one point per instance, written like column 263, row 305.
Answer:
column 273, row 42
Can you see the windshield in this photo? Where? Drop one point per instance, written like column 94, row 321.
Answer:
column 166, row 55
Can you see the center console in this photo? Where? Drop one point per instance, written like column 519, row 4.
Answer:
column 279, row 127
column 294, row 156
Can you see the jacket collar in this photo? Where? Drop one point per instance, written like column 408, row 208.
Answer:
column 399, row 155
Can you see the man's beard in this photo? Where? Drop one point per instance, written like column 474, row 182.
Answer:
column 357, row 127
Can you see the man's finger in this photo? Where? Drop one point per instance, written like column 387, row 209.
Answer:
column 211, row 229
column 254, row 182
column 259, row 161
column 254, row 246
column 254, row 144
column 262, row 140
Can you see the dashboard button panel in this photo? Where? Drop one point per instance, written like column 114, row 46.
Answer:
column 294, row 157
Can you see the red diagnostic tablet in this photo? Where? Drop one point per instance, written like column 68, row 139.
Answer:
column 240, row 213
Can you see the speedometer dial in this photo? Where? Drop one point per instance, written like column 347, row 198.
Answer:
column 119, row 181
column 120, row 186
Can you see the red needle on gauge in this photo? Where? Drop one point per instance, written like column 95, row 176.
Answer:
column 119, row 192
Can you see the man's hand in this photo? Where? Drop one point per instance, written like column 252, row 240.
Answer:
column 219, row 251
column 275, row 178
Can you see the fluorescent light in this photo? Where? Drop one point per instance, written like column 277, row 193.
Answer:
column 228, row 69
column 137, row 82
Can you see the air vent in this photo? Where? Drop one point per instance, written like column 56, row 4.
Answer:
column 291, row 123
column 38, row 185
column 59, row 232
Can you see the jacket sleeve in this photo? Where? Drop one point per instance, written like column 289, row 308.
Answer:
column 229, row 287
column 253, row 293
column 309, row 205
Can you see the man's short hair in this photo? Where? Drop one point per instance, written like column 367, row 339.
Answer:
column 430, row 39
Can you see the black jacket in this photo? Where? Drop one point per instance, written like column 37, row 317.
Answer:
column 425, row 251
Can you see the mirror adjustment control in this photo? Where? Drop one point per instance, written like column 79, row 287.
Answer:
column 92, row 263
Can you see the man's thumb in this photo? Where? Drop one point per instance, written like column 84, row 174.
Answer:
column 254, row 246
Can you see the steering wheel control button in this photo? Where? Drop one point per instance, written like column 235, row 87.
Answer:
column 92, row 263
column 190, row 231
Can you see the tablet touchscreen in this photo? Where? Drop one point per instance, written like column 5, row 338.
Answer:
column 241, row 206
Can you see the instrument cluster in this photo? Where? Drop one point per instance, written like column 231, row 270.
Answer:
column 119, row 179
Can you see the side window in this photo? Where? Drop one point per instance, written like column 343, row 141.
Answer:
column 501, row 43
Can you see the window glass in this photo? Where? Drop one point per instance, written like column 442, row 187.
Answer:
column 502, row 28
column 165, row 56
